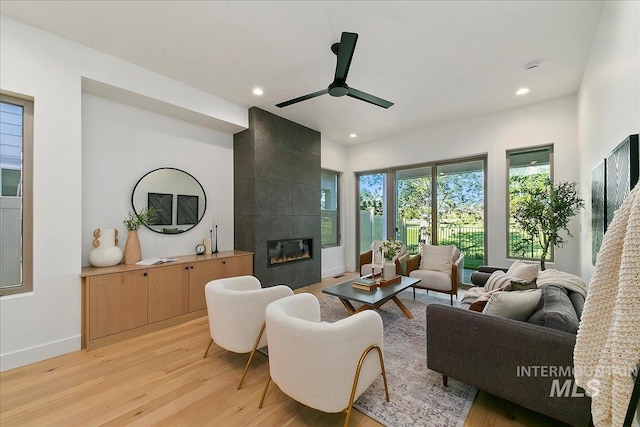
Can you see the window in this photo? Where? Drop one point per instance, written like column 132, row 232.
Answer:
column 16, row 212
column 329, row 207
column 526, row 167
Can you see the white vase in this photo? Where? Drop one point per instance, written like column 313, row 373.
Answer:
column 105, row 253
column 389, row 270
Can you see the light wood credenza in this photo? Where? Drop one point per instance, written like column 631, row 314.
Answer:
column 125, row 301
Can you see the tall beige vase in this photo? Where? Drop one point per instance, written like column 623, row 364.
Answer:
column 132, row 251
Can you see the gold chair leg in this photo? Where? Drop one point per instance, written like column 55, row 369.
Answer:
column 207, row 352
column 264, row 393
column 357, row 376
column 255, row 346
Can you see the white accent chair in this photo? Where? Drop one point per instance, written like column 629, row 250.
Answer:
column 440, row 275
column 236, row 307
column 326, row 366
column 374, row 257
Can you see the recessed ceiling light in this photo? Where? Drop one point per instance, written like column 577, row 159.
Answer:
column 522, row 91
column 353, row 135
column 258, row 91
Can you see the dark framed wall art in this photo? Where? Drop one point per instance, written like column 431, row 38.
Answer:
column 612, row 181
column 163, row 204
column 598, row 207
column 187, row 209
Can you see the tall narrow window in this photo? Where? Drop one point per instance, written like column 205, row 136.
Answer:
column 531, row 167
column 329, row 207
column 16, row 212
column 371, row 210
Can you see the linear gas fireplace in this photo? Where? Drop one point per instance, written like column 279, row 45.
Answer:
column 281, row 252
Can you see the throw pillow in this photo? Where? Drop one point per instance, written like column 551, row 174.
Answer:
column 513, row 305
column 555, row 310
column 523, row 271
column 480, row 302
column 521, row 285
column 436, row 258
column 498, row 280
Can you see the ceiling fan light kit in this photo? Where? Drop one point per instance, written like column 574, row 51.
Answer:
column 344, row 51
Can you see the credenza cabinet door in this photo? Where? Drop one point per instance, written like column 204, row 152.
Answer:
column 168, row 292
column 118, row 302
column 237, row 266
column 201, row 273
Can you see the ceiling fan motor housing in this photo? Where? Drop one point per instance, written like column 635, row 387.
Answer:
column 338, row 89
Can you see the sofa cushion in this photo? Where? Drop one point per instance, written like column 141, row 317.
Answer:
column 437, row 258
column 578, row 303
column 516, row 305
column 436, row 280
column 555, row 310
column 523, row 271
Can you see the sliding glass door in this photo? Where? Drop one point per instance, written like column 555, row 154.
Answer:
column 460, row 209
column 371, row 212
column 414, row 200
column 441, row 203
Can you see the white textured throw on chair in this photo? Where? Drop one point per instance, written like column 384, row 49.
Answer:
column 608, row 343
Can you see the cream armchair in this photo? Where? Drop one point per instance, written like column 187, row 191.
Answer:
column 373, row 257
column 439, row 268
column 326, row 366
column 236, row 308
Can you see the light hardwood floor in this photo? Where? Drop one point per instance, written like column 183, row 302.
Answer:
column 162, row 379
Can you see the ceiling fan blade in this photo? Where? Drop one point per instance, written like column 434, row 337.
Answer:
column 303, row 98
column 345, row 53
column 363, row 96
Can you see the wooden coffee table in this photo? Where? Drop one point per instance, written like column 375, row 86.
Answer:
column 372, row 300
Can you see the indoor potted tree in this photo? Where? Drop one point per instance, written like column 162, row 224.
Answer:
column 542, row 210
column 132, row 250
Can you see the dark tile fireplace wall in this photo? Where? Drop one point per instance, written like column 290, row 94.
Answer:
column 276, row 173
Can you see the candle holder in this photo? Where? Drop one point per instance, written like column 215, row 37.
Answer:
column 215, row 248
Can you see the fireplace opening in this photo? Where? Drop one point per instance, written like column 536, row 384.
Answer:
column 289, row 250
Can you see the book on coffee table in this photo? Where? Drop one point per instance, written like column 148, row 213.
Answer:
column 370, row 287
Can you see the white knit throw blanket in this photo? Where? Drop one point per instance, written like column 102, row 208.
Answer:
column 608, row 343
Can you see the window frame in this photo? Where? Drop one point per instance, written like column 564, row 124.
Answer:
column 338, row 193
column 390, row 197
column 549, row 146
column 27, row 104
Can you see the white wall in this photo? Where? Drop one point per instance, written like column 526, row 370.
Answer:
column 121, row 143
column 46, row 322
column 549, row 122
column 608, row 99
column 334, row 157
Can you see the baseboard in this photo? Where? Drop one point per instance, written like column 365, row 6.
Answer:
column 334, row 271
column 36, row 354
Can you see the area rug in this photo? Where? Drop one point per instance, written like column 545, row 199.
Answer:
column 417, row 395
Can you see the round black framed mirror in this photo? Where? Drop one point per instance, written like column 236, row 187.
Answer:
column 176, row 196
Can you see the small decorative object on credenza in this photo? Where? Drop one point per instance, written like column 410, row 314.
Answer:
column 105, row 252
column 132, row 250
column 215, row 247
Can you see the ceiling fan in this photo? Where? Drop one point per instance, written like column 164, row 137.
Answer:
column 344, row 51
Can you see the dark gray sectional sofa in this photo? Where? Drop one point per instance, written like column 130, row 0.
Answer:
column 525, row 363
